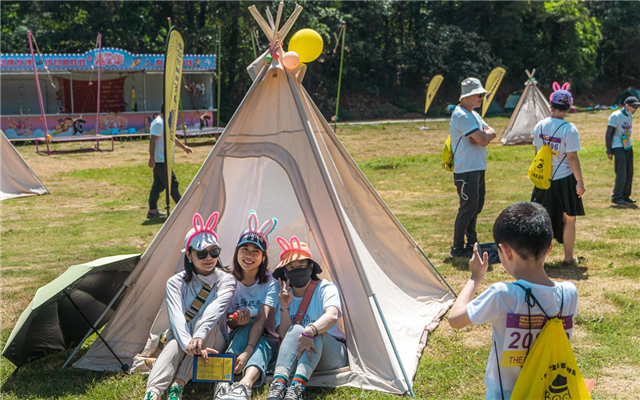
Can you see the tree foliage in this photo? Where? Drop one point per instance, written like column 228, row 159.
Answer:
column 392, row 50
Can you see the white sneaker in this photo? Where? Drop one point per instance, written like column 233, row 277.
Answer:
column 222, row 388
column 239, row 391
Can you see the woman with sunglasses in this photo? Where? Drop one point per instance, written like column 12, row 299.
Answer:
column 196, row 302
column 253, row 304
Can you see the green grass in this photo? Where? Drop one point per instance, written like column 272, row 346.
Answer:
column 98, row 205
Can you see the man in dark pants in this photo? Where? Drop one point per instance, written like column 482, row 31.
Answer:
column 618, row 142
column 469, row 137
column 157, row 163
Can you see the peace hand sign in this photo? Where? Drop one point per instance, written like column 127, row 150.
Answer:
column 285, row 296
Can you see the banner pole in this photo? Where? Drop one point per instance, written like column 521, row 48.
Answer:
column 344, row 35
column 219, row 76
column 35, row 72
column 99, row 61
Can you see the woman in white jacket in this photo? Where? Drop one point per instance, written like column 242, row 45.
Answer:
column 196, row 300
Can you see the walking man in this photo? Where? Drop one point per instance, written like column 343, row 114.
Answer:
column 157, row 163
column 470, row 136
column 618, row 141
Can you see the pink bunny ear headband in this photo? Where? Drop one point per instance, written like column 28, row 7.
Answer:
column 255, row 235
column 293, row 250
column 561, row 94
column 202, row 234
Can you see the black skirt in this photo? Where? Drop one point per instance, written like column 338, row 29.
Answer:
column 560, row 198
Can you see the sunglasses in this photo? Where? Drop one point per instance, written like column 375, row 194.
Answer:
column 633, row 106
column 202, row 254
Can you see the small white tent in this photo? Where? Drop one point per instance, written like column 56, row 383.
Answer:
column 17, row 178
column 279, row 157
column 532, row 108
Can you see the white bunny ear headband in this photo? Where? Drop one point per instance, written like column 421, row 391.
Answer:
column 202, row 234
column 258, row 235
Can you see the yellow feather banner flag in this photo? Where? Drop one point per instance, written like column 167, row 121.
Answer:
column 172, row 80
column 434, row 85
column 493, row 82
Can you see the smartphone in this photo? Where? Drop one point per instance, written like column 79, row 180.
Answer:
column 492, row 250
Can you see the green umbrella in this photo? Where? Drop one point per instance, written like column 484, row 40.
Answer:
column 79, row 301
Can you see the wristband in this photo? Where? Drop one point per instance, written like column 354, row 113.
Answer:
column 284, row 310
column 315, row 329
column 252, row 345
column 305, row 334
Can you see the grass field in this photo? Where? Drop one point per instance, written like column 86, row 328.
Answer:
column 98, row 207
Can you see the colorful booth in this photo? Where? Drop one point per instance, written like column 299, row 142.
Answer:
column 130, row 93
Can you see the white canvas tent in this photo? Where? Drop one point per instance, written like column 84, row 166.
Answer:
column 532, row 108
column 17, row 179
column 279, row 157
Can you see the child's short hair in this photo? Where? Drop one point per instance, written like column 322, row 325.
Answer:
column 526, row 228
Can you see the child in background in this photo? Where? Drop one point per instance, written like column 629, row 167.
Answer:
column 523, row 234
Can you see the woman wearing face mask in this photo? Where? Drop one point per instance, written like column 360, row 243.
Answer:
column 312, row 341
column 196, row 301
column 253, row 304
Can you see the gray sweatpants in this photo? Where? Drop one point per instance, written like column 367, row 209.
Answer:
column 174, row 363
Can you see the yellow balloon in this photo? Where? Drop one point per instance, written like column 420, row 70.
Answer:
column 307, row 43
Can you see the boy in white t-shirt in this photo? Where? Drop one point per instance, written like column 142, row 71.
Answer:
column 619, row 146
column 523, row 235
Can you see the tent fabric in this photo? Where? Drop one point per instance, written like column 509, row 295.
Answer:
column 279, row 156
column 512, row 103
column 630, row 91
column 532, row 108
column 17, row 179
column 494, row 110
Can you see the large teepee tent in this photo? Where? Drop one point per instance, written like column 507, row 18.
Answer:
column 279, row 157
column 532, row 108
column 17, row 178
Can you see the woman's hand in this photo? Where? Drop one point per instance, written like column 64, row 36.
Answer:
column 241, row 361
column 306, row 344
column 243, row 317
column 580, row 188
column 194, row 347
column 285, row 296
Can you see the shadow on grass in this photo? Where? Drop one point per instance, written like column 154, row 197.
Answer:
column 559, row 270
column 43, row 379
column 154, row 221
column 629, row 206
column 461, row 263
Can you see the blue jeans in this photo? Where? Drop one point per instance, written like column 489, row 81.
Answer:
column 331, row 354
column 261, row 354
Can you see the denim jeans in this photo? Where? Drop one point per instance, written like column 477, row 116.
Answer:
column 261, row 354
column 331, row 354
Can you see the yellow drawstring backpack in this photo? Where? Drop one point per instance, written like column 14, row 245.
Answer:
column 446, row 159
column 540, row 169
column 550, row 370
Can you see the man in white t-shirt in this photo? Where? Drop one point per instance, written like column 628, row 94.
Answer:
column 470, row 136
column 618, row 142
column 157, row 163
column 523, row 234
